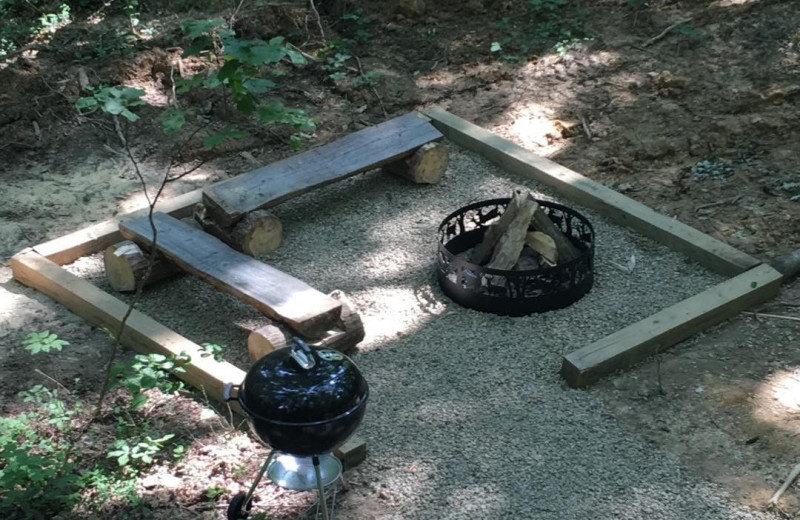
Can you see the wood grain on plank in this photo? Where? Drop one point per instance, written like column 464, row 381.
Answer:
column 141, row 333
column 87, row 241
column 274, row 293
column 706, row 250
column 670, row 326
column 229, row 200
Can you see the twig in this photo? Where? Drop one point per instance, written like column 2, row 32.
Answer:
column 665, row 32
column 25, row 48
column 719, row 203
column 788, row 482
column 172, row 82
column 775, row 316
column 586, row 127
column 50, row 378
column 319, row 20
column 371, row 86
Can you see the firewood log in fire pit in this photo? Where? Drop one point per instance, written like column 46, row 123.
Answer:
column 259, row 232
column 523, row 238
column 348, row 333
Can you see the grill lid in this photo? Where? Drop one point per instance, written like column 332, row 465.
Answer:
column 302, row 384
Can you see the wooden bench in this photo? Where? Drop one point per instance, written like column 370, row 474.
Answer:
column 228, row 201
column 274, row 293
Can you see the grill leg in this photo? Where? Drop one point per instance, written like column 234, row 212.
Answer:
column 260, row 475
column 320, row 488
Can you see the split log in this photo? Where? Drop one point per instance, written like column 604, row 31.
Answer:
column 509, row 246
column 566, row 249
column 544, row 245
column 425, row 166
column 483, row 251
column 258, row 233
column 348, row 333
column 126, row 263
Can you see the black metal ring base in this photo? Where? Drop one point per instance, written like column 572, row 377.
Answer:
column 512, row 293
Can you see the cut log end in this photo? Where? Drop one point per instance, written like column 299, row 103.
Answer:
column 266, row 339
column 125, row 264
column 425, row 166
column 349, row 332
column 258, row 233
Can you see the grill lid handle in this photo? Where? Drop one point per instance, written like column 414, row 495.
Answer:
column 303, row 354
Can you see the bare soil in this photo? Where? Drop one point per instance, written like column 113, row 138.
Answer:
column 700, row 123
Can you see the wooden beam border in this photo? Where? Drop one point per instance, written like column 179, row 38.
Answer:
column 38, row 267
column 752, row 281
column 141, row 333
column 655, row 334
column 709, row 252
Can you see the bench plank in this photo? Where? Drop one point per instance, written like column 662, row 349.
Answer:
column 274, row 293
column 230, row 200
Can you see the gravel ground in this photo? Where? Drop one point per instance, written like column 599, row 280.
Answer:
column 468, row 417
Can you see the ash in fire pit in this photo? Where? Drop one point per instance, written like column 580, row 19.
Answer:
column 515, row 256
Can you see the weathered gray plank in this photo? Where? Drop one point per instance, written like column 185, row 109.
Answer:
column 274, row 293
column 229, row 200
column 670, row 326
column 708, row 251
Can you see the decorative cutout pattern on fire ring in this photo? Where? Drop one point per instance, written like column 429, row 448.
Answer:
column 512, row 292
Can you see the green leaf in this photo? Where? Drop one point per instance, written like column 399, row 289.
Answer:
column 213, row 140
column 296, row 57
column 138, row 401
column 229, row 70
column 86, row 103
column 259, row 85
column 495, row 47
column 113, row 106
column 195, row 28
column 172, row 120
column 130, row 116
column 198, row 45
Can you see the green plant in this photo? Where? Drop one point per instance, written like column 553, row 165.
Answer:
column 35, row 469
column 43, row 341
column 141, row 451
column 356, row 26
column 369, row 78
column 214, row 492
column 213, row 350
column 49, row 20
column 24, row 20
column 148, row 371
column 246, row 71
column 544, row 24
column 111, row 100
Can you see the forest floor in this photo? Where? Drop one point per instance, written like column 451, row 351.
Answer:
column 699, row 122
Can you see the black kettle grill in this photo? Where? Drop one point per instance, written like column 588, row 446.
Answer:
column 302, row 401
